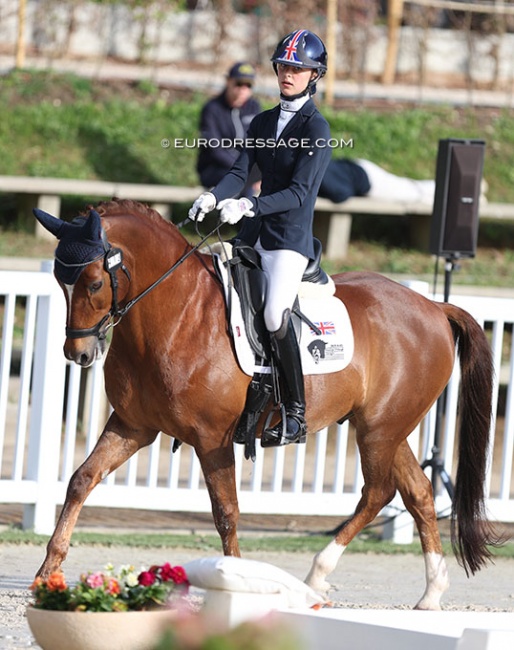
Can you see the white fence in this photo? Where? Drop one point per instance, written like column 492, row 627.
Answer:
column 51, row 414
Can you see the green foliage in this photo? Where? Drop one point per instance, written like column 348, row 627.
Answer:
column 366, row 542
column 65, row 125
column 62, row 125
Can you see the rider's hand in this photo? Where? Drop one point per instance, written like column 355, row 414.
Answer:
column 203, row 204
column 232, row 210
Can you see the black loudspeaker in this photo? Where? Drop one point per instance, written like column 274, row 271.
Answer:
column 454, row 226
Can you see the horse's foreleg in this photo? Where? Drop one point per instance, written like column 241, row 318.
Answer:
column 219, row 473
column 378, row 490
column 416, row 492
column 117, row 443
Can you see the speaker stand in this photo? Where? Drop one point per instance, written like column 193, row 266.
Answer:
column 436, row 462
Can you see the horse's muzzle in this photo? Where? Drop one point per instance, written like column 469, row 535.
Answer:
column 84, row 352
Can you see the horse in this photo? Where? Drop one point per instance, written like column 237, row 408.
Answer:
column 171, row 367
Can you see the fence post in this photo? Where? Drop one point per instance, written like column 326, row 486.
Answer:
column 47, row 408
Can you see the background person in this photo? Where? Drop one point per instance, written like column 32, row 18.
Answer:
column 227, row 117
column 345, row 178
column 282, row 215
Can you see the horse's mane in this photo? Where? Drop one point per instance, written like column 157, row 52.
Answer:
column 116, row 207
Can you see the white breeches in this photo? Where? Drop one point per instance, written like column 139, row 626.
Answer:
column 284, row 270
column 388, row 187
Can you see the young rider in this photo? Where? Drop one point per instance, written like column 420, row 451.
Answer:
column 289, row 144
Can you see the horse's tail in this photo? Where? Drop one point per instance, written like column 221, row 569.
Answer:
column 471, row 532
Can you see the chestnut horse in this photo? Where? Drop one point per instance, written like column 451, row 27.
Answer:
column 171, row 367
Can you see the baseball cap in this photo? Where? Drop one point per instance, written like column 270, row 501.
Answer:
column 242, row 71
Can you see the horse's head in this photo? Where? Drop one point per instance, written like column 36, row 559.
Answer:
column 86, row 268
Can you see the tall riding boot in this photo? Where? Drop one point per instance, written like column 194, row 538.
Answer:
column 287, row 354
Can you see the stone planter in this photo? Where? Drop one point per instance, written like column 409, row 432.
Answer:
column 54, row 630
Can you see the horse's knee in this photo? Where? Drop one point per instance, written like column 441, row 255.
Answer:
column 82, row 481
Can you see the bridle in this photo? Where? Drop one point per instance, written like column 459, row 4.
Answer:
column 113, row 262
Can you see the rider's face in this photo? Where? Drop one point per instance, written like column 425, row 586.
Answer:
column 292, row 80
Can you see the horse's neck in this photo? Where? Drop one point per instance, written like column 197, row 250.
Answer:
column 151, row 248
column 150, row 251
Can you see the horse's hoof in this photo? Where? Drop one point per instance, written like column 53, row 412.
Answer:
column 423, row 606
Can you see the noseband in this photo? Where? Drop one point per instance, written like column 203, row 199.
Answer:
column 113, row 262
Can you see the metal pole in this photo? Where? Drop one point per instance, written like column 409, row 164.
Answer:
column 332, row 51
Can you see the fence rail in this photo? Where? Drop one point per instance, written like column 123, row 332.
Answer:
column 51, row 414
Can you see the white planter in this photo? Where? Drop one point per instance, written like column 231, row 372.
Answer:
column 54, row 630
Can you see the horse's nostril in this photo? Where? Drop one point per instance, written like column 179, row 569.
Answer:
column 84, row 360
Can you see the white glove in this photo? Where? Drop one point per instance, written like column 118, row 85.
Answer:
column 203, row 204
column 233, row 210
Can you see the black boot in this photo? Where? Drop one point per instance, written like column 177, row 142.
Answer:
column 293, row 427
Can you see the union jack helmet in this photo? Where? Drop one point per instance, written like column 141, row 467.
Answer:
column 301, row 49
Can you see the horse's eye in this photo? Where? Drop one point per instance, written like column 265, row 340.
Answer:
column 96, row 286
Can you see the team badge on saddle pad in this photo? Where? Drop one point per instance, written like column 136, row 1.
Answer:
column 328, row 348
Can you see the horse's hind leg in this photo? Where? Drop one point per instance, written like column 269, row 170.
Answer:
column 377, row 454
column 117, row 443
column 416, row 492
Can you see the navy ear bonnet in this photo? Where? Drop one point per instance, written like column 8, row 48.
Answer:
column 80, row 242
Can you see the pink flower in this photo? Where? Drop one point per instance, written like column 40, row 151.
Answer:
column 95, row 580
column 146, row 578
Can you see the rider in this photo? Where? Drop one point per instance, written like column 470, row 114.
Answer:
column 289, row 144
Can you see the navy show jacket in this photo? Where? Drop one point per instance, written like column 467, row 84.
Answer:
column 292, row 168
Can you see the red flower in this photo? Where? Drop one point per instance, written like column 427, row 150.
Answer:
column 166, row 572
column 146, row 578
column 178, row 575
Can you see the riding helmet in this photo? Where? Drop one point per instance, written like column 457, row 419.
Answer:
column 302, row 49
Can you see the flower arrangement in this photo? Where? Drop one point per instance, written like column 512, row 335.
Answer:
column 110, row 591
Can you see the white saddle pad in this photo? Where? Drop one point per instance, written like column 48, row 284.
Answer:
column 330, row 351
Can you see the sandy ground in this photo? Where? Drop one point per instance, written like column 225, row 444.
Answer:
column 360, row 580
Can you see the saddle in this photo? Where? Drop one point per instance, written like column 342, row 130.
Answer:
column 250, row 283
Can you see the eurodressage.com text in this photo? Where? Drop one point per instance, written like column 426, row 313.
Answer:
column 260, row 143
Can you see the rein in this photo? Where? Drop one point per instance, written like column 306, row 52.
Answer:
column 113, row 261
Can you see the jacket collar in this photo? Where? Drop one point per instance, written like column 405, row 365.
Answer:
column 302, row 114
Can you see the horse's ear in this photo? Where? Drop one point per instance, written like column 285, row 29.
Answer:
column 92, row 228
column 52, row 224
